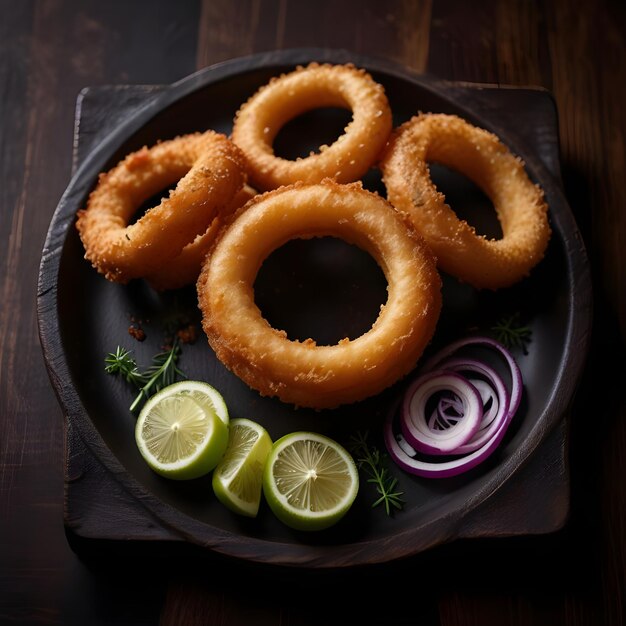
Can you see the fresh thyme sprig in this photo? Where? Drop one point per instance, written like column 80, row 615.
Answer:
column 121, row 362
column 370, row 460
column 162, row 372
column 511, row 333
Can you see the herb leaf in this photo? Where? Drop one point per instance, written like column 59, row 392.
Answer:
column 373, row 464
column 511, row 333
column 121, row 362
column 162, row 372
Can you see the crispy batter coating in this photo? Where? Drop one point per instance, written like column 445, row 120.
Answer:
column 303, row 373
column 208, row 170
column 480, row 155
column 317, row 85
column 184, row 269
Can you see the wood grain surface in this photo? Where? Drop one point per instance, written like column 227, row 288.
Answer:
column 51, row 49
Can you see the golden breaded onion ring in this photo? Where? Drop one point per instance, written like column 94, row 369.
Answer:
column 480, row 155
column 315, row 86
column 184, row 269
column 301, row 372
column 208, row 170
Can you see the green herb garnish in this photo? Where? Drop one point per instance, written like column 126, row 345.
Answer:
column 511, row 333
column 373, row 463
column 161, row 373
column 121, row 362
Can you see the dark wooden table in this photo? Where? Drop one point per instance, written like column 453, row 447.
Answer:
column 51, row 49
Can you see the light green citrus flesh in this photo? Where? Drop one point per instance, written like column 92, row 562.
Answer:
column 204, row 394
column 179, row 433
column 310, row 481
column 238, row 478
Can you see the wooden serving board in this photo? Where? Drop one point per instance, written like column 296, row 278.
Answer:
column 99, row 511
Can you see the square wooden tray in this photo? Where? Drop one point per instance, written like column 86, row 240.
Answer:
column 535, row 501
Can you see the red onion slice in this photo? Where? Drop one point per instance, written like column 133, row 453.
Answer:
column 516, row 376
column 448, row 412
column 492, row 428
column 491, row 421
column 415, row 426
column 400, row 451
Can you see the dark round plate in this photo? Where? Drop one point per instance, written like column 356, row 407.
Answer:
column 325, row 289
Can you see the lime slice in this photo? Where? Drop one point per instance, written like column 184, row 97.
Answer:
column 310, row 481
column 238, row 477
column 182, row 430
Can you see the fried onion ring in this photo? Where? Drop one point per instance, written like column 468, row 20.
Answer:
column 184, row 269
column 301, row 372
column 480, row 155
column 258, row 121
column 208, row 169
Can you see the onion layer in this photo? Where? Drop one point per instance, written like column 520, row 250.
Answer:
column 415, row 426
column 458, row 406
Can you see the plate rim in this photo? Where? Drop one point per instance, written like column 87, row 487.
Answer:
column 226, row 542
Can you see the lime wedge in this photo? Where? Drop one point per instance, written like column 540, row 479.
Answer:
column 179, row 431
column 310, row 481
column 238, row 477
